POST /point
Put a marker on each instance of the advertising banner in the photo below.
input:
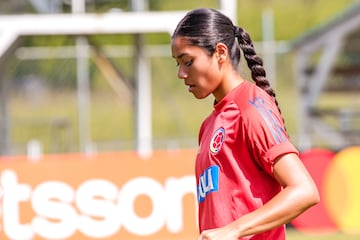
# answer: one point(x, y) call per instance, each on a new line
point(337, 177)
point(102, 196)
point(122, 196)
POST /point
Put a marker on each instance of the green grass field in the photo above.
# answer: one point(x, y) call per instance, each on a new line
point(296, 235)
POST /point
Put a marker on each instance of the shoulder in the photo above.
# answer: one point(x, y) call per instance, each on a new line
point(249, 97)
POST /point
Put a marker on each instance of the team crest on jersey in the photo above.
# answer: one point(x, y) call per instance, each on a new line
point(217, 140)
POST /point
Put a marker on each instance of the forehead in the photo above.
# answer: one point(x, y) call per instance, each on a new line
point(180, 46)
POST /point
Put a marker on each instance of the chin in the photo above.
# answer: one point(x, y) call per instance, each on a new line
point(198, 96)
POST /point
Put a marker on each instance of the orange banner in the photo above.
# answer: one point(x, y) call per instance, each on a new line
point(102, 196)
point(121, 196)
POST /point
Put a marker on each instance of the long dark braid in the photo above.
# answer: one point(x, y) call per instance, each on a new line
point(254, 62)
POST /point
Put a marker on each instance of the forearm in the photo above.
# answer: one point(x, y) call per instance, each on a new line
point(284, 207)
point(299, 194)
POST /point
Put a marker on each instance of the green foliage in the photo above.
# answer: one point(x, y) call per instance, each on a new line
point(290, 17)
point(176, 114)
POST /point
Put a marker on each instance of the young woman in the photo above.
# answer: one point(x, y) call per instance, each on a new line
point(250, 180)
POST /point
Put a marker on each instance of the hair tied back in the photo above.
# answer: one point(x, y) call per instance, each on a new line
point(237, 32)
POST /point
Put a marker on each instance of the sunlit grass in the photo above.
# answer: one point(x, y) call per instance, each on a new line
point(296, 235)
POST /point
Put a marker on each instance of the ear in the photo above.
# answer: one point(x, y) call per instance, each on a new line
point(222, 52)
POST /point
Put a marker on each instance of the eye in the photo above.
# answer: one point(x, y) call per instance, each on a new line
point(186, 63)
point(189, 63)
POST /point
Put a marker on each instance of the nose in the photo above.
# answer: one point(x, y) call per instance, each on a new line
point(181, 73)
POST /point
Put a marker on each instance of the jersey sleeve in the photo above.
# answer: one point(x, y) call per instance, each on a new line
point(265, 133)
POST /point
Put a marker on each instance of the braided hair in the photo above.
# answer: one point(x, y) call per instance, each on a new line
point(206, 28)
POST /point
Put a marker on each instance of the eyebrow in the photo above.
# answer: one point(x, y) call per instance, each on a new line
point(180, 55)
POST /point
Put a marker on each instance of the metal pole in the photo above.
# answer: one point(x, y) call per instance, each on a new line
point(143, 92)
point(269, 47)
point(83, 88)
point(4, 116)
point(8, 50)
point(83, 94)
point(303, 118)
point(229, 7)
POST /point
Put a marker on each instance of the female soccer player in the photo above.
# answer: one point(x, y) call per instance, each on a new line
point(250, 180)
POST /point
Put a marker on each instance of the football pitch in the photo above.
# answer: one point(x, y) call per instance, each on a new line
point(296, 235)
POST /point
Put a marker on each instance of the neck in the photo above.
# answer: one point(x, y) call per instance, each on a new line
point(229, 82)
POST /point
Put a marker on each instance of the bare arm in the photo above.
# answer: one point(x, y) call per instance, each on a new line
point(299, 194)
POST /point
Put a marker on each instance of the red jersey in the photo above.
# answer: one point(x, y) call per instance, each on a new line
point(238, 144)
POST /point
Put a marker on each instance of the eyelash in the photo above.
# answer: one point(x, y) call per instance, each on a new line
point(188, 63)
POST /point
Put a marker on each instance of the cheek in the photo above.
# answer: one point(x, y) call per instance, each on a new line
point(210, 77)
point(206, 70)
point(204, 79)
point(206, 75)
point(207, 84)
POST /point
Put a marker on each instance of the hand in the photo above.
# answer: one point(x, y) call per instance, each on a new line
point(223, 233)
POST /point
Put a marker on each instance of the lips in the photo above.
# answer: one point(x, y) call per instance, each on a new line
point(190, 87)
